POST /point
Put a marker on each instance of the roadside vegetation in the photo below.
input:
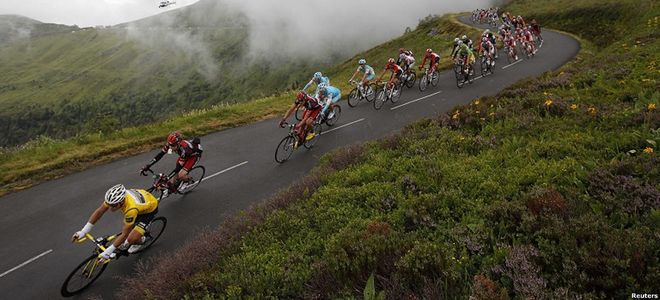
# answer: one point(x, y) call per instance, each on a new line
point(45, 158)
point(549, 190)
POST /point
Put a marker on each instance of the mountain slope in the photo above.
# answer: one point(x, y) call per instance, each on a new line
point(14, 28)
point(69, 82)
point(550, 190)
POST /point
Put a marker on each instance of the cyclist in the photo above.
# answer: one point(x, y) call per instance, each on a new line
point(312, 110)
point(510, 43)
point(467, 42)
point(486, 48)
point(189, 151)
point(434, 60)
point(454, 47)
point(466, 56)
point(318, 78)
point(493, 40)
point(536, 29)
point(139, 208)
point(529, 38)
point(328, 95)
point(396, 70)
point(369, 73)
point(406, 59)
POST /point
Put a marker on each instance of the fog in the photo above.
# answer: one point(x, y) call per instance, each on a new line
point(314, 29)
point(281, 30)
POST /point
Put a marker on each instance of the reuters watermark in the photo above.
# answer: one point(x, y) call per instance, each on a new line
point(644, 296)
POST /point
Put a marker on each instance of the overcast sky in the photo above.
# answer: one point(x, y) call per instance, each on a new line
point(85, 12)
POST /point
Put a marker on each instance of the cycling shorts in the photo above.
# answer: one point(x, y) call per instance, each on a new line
point(371, 76)
point(186, 163)
point(142, 221)
point(336, 98)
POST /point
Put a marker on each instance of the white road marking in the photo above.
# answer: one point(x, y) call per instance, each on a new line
point(342, 126)
point(413, 101)
point(478, 77)
point(513, 63)
point(225, 170)
point(25, 263)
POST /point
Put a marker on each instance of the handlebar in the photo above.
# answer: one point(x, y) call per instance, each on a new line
point(92, 239)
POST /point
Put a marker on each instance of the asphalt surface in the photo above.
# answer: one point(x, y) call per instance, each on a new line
point(37, 223)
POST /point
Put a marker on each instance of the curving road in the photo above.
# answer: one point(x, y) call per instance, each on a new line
point(36, 224)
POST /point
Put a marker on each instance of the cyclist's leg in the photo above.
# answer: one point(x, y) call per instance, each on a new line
point(177, 173)
point(187, 166)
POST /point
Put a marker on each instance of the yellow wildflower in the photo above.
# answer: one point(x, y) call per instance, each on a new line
point(548, 102)
point(477, 112)
point(456, 115)
point(651, 106)
point(491, 114)
point(476, 102)
point(573, 106)
point(648, 150)
point(592, 110)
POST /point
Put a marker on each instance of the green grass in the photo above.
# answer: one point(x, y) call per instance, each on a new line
point(45, 158)
point(547, 191)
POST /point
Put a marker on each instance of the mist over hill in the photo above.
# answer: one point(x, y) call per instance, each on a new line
point(68, 80)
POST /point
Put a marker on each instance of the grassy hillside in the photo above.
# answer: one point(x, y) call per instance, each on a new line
point(71, 82)
point(550, 190)
point(46, 158)
point(14, 28)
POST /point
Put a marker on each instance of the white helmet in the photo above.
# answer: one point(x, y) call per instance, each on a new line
point(362, 62)
point(464, 37)
point(318, 75)
point(115, 195)
point(456, 40)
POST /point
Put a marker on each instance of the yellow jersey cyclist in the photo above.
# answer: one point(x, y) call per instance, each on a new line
point(139, 208)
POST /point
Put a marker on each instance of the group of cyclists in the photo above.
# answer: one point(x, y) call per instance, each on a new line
point(139, 206)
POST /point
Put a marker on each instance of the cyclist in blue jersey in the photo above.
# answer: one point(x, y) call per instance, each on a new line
point(318, 79)
point(369, 73)
point(328, 95)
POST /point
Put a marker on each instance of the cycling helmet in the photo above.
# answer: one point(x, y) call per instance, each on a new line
point(115, 195)
point(390, 61)
point(464, 37)
point(429, 50)
point(401, 50)
point(456, 40)
point(460, 43)
point(318, 75)
point(173, 138)
point(322, 88)
point(362, 62)
point(487, 31)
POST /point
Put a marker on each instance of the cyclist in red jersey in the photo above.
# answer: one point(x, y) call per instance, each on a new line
point(312, 109)
point(397, 71)
point(189, 151)
point(434, 60)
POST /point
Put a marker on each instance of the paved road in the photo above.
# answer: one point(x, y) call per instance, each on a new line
point(36, 224)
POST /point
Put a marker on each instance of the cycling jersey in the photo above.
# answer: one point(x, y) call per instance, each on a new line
point(368, 70)
point(309, 103)
point(137, 203)
point(396, 69)
point(433, 57)
point(323, 79)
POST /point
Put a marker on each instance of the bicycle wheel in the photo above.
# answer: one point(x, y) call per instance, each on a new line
point(82, 276)
point(153, 232)
point(423, 82)
point(300, 111)
point(337, 112)
point(370, 93)
point(354, 98)
point(483, 66)
point(196, 175)
point(285, 149)
point(410, 80)
point(435, 78)
point(396, 93)
point(457, 71)
point(316, 129)
point(380, 99)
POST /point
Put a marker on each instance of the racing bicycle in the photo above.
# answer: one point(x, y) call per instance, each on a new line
point(463, 75)
point(388, 91)
point(91, 268)
point(292, 141)
point(361, 92)
point(160, 187)
point(429, 78)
